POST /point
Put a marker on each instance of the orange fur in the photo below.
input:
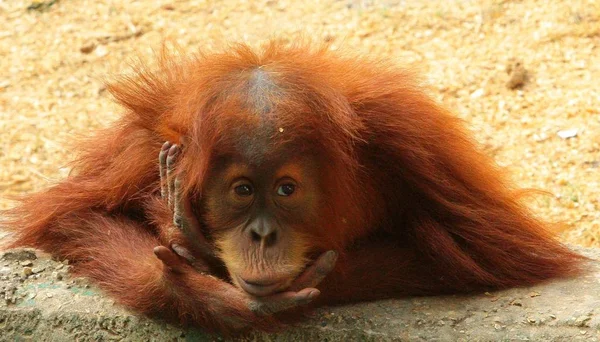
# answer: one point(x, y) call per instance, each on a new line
point(410, 203)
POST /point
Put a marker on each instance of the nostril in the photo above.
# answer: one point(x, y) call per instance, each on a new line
point(255, 236)
point(270, 239)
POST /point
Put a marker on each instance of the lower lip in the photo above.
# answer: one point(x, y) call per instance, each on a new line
point(258, 290)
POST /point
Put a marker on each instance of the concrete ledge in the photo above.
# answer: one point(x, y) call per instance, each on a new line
point(40, 302)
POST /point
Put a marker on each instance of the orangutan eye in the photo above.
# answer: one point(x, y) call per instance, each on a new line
point(286, 189)
point(244, 190)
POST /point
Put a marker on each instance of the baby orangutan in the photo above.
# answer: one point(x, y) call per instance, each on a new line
point(291, 175)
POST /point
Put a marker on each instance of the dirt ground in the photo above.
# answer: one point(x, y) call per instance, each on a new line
point(523, 74)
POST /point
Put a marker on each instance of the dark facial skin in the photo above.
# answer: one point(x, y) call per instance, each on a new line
point(268, 248)
point(261, 215)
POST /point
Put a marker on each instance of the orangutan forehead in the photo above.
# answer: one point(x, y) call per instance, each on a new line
point(262, 91)
point(258, 136)
point(260, 148)
point(256, 112)
point(295, 166)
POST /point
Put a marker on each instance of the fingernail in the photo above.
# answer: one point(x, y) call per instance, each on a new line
point(331, 256)
point(166, 146)
point(313, 294)
point(173, 150)
point(308, 298)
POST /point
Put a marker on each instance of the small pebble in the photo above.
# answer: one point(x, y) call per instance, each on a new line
point(517, 74)
point(101, 51)
point(87, 48)
point(567, 133)
point(516, 302)
point(38, 269)
point(582, 321)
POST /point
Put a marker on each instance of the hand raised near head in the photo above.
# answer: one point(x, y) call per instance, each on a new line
point(187, 240)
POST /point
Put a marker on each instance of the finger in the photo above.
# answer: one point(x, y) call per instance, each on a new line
point(171, 158)
point(176, 198)
point(283, 301)
point(198, 265)
point(183, 217)
point(235, 323)
point(162, 164)
point(169, 259)
point(185, 220)
point(316, 272)
point(180, 219)
point(183, 252)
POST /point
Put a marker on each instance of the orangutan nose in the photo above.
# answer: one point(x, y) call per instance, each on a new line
point(263, 232)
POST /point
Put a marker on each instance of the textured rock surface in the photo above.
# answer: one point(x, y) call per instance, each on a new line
point(40, 302)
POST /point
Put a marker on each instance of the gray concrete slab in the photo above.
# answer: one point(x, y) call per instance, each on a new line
point(40, 302)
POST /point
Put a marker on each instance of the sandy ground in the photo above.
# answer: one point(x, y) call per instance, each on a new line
point(55, 56)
